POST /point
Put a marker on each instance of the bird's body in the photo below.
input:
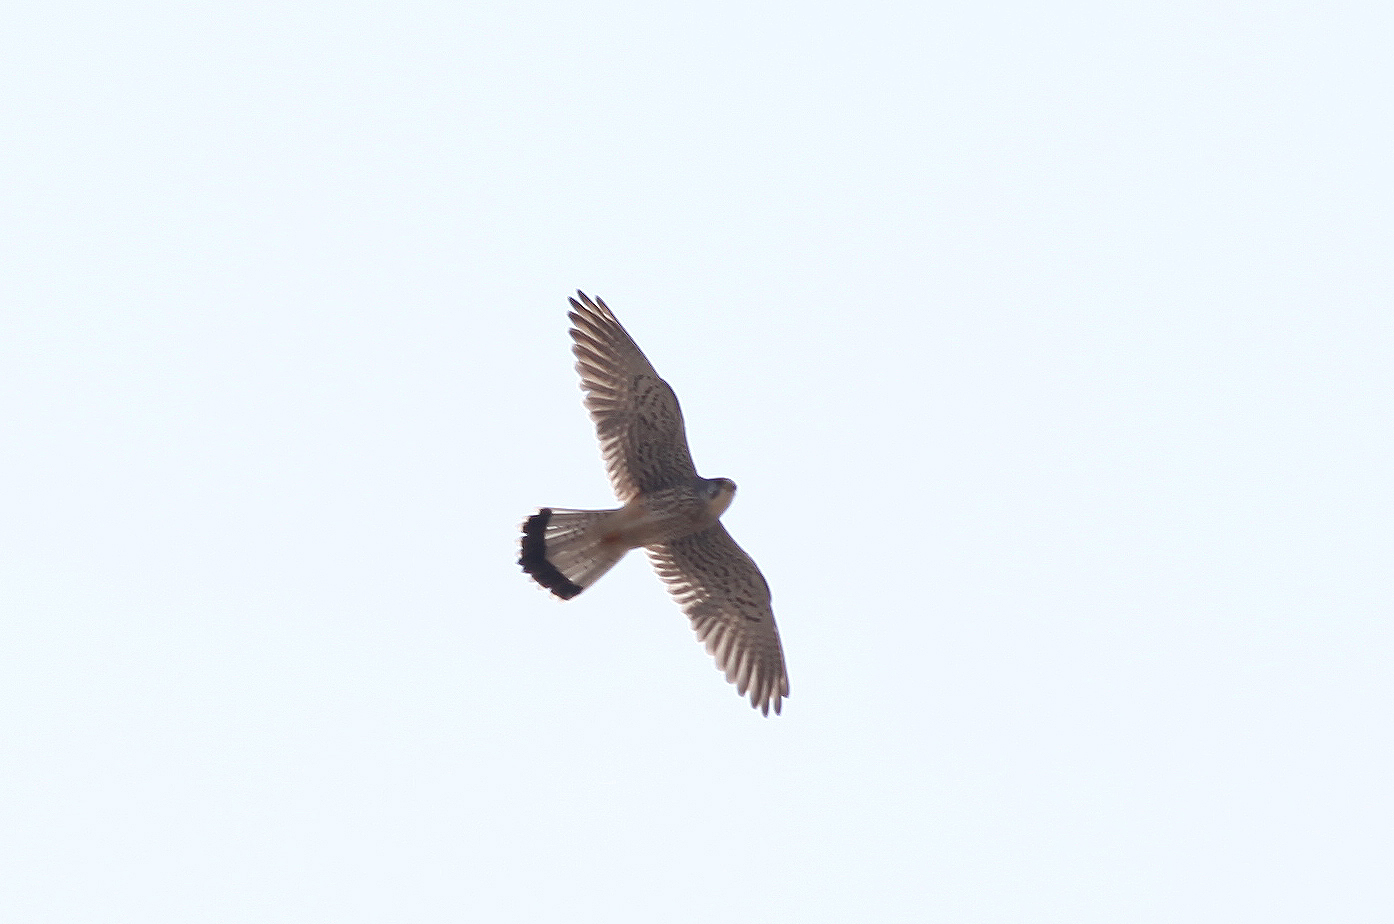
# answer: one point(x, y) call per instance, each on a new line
point(668, 509)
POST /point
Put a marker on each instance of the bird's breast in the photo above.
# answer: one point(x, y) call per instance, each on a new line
point(659, 516)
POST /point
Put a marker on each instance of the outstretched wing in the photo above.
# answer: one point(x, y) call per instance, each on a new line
point(636, 414)
point(726, 597)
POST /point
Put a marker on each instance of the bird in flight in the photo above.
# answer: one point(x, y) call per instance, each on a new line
point(668, 510)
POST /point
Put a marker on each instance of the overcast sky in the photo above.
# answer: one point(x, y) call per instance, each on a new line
point(1051, 347)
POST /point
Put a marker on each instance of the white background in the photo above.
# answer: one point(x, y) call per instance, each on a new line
point(1050, 346)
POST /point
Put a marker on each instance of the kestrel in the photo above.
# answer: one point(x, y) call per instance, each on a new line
point(669, 510)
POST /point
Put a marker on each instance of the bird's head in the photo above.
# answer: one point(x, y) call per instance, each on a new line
point(719, 492)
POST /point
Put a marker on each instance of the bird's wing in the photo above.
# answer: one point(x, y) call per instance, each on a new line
point(636, 414)
point(719, 588)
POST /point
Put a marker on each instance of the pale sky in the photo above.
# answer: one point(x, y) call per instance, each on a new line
point(1051, 347)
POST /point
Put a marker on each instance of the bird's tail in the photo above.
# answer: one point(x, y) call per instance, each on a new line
point(567, 551)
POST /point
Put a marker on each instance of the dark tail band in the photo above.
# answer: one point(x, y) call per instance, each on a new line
point(534, 557)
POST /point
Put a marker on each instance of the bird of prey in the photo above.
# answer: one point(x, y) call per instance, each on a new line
point(669, 510)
